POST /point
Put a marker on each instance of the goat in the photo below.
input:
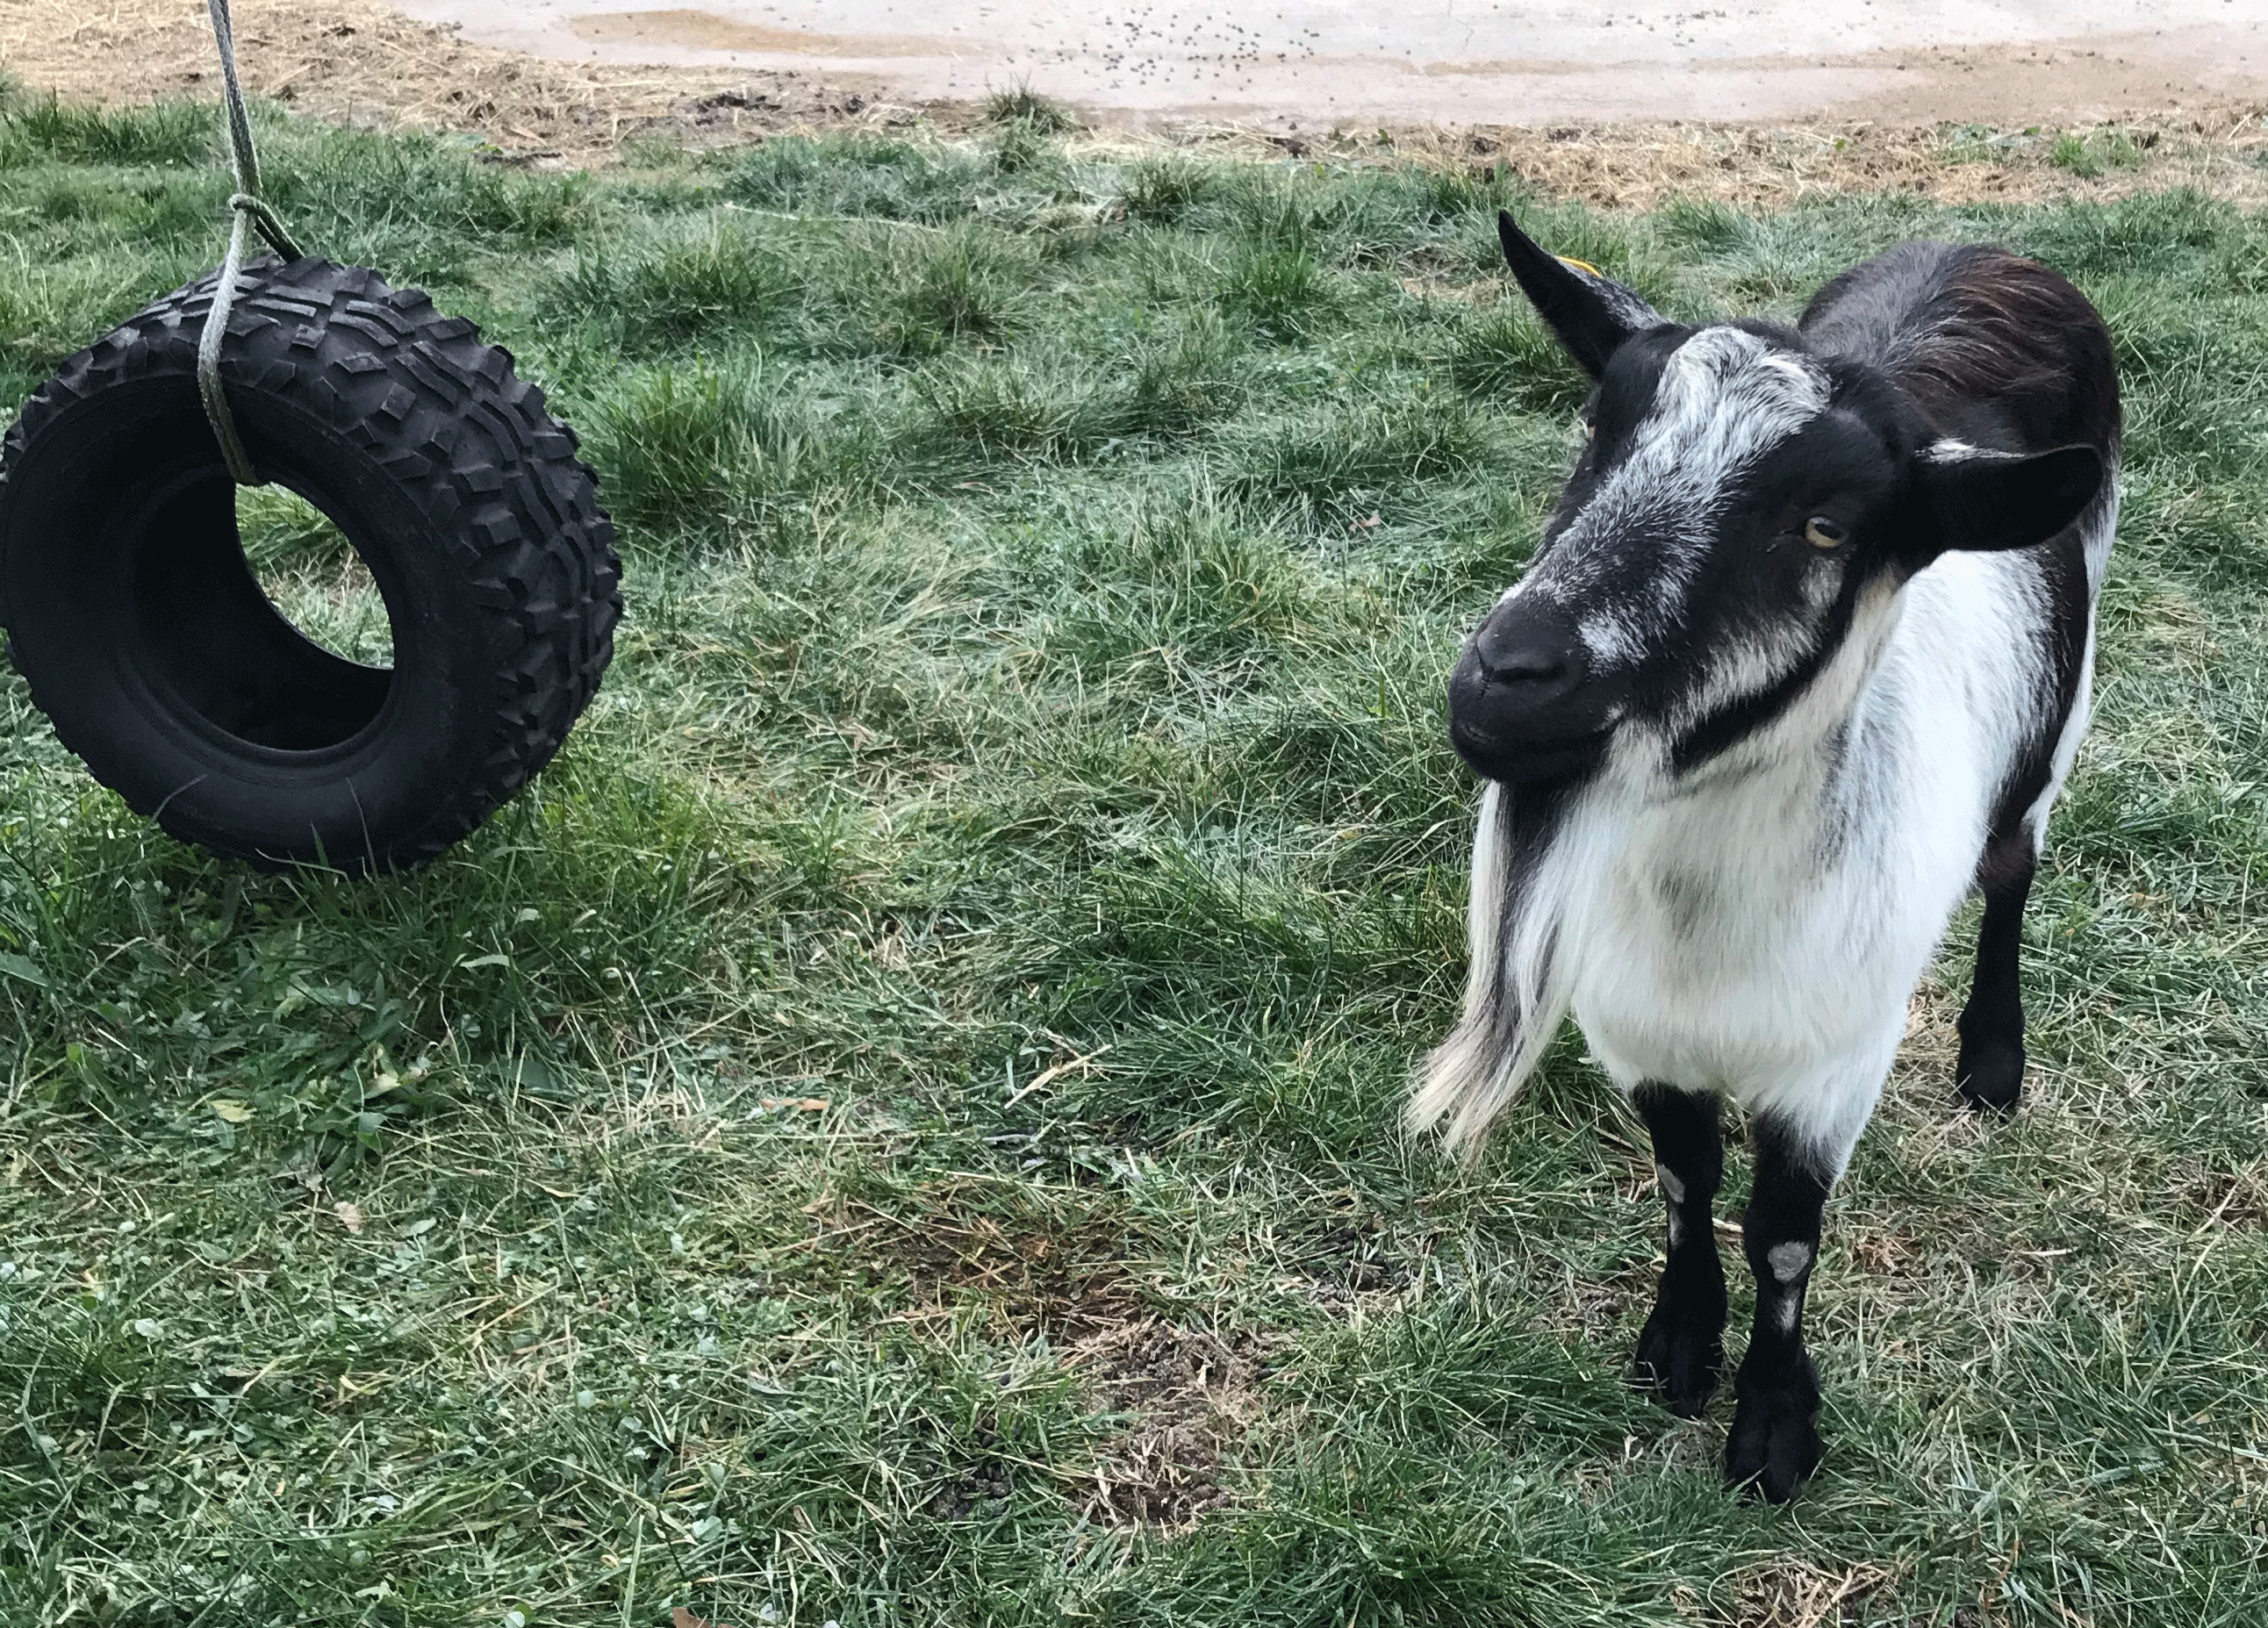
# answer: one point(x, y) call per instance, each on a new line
point(1802, 657)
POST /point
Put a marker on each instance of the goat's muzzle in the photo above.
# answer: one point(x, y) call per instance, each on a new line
point(1523, 706)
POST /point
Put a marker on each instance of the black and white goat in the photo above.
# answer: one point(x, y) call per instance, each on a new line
point(1802, 657)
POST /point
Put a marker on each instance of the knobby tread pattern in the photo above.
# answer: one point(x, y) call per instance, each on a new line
point(470, 443)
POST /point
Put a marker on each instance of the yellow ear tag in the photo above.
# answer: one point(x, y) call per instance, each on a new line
point(1580, 265)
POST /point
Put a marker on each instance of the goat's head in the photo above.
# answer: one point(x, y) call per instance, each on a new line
point(1741, 501)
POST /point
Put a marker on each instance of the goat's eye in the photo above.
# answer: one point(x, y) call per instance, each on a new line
point(1821, 533)
point(1590, 428)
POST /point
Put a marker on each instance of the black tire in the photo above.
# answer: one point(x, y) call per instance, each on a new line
point(131, 611)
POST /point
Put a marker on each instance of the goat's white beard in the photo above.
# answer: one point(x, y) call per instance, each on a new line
point(1516, 993)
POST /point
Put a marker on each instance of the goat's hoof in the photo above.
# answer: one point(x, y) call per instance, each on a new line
point(1774, 1444)
point(1681, 1356)
point(1990, 1075)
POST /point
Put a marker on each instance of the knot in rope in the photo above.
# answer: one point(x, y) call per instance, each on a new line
point(245, 208)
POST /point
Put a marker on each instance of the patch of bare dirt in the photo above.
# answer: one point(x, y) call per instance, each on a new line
point(1192, 1394)
point(359, 61)
point(1295, 63)
point(1066, 1276)
point(629, 32)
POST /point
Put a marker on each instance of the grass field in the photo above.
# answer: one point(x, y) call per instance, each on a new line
point(900, 1124)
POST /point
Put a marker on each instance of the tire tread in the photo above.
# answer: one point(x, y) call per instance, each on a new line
point(472, 445)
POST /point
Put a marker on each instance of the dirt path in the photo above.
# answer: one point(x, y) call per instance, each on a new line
point(1310, 63)
point(1624, 129)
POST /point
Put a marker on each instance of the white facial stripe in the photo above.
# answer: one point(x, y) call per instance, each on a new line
point(1672, 1188)
point(1611, 641)
point(1748, 666)
point(1725, 398)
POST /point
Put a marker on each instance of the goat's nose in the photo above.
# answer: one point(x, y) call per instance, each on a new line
point(1516, 656)
point(1522, 706)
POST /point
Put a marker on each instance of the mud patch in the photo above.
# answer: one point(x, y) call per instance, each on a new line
point(1193, 1394)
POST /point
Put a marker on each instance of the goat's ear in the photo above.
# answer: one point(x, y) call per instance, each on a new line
point(1979, 499)
point(1589, 311)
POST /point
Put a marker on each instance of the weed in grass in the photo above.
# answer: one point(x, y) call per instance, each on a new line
point(1199, 581)
point(2153, 235)
point(960, 284)
point(1163, 190)
point(1023, 150)
point(1278, 289)
point(1183, 380)
point(898, 1124)
point(685, 447)
point(1296, 211)
point(991, 406)
point(700, 289)
point(1339, 459)
point(1502, 352)
point(1022, 105)
point(859, 176)
point(1440, 195)
point(656, 153)
point(2094, 152)
point(413, 207)
point(1703, 226)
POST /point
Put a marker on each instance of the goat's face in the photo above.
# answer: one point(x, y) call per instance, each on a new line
point(1738, 504)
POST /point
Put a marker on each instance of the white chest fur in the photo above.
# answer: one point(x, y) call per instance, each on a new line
point(1752, 941)
point(1759, 931)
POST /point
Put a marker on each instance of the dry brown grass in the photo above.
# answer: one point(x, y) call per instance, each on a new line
point(2219, 149)
point(1792, 1591)
point(1192, 1395)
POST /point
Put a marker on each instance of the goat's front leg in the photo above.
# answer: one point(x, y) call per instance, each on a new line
point(1682, 1351)
point(1774, 1444)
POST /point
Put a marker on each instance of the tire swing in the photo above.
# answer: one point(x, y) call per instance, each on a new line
point(145, 636)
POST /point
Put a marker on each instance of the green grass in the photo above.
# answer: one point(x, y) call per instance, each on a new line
point(899, 1125)
point(1021, 104)
point(2093, 153)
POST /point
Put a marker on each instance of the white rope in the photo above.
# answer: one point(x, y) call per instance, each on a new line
point(246, 210)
